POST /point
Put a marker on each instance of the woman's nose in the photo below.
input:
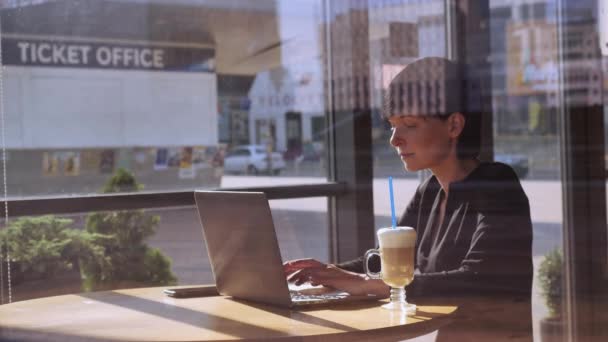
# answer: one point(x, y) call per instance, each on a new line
point(396, 138)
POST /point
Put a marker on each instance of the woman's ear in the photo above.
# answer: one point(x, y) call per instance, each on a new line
point(456, 122)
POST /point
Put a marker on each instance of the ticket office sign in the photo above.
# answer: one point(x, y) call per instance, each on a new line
point(55, 53)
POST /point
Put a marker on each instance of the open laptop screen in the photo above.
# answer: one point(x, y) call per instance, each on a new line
point(242, 246)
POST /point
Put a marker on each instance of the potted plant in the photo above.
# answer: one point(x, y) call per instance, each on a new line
point(550, 278)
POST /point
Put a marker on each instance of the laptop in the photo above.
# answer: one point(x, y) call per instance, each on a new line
point(244, 252)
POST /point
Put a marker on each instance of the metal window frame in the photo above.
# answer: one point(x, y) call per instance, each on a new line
point(149, 200)
point(349, 141)
point(583, 178)
point(467, 25)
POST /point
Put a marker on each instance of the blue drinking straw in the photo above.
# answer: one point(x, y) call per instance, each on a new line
point(390, 191)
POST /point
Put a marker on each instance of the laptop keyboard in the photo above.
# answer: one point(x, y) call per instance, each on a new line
point(310, 298)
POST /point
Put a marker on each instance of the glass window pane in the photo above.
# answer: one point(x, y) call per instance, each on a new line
point(165, 95)
point(124, 95)
point(163, 89)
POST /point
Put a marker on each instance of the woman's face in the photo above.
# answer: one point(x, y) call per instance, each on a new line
point(421, 142)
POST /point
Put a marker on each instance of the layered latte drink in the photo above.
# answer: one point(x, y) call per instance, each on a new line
point(397, 246)
point(396, 253)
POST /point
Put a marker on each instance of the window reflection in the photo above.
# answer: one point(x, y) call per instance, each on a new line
point(164, 89)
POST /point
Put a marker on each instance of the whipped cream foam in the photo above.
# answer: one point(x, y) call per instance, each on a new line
point(397, 237)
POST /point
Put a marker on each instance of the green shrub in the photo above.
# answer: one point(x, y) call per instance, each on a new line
point(127, 258)
point(111, 252)
point(40, 247)
point(122, 181)
point(550, 277)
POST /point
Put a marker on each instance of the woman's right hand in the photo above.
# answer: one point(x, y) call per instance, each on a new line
point(317, 273)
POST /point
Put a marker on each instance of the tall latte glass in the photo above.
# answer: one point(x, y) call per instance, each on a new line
point(397, 264)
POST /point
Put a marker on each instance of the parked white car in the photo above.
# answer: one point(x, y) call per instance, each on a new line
point(252, 159)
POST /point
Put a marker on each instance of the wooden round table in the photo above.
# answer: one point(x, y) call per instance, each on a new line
point(147, 314)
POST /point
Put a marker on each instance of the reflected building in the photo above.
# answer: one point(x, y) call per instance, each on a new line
point(233, 108)
point(271, 83)
point(287, 108)
point(526, 68)
point(131, 84)
point(525, 60)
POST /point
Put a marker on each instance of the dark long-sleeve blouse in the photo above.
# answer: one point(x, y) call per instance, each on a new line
point(484, 243)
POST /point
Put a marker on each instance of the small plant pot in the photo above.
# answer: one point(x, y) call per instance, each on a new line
point(551, 329)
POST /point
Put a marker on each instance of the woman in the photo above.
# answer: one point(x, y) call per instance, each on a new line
point(472, 218)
